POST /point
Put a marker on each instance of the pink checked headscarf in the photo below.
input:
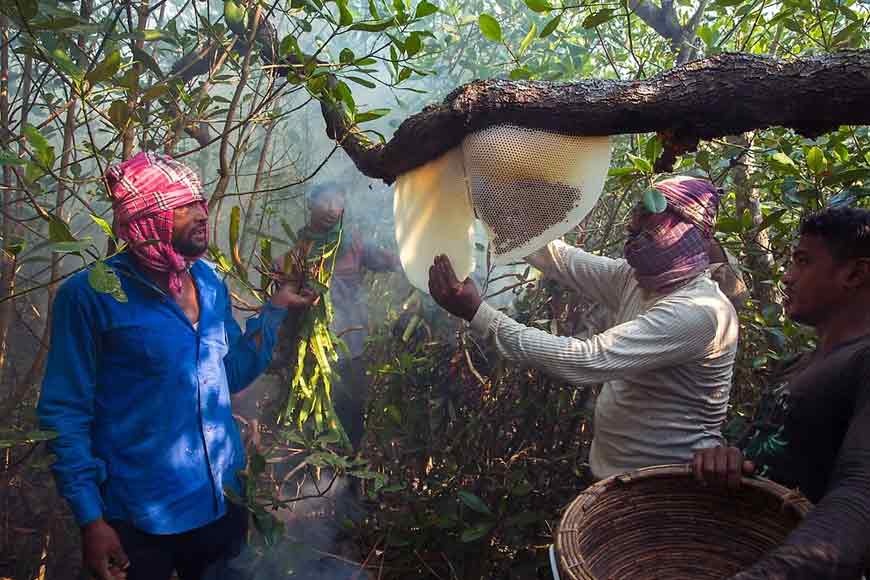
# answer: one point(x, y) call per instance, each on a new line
point(145, 190)
point(673, 248)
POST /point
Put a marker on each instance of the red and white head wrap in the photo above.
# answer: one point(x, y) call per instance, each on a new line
point(145, 190)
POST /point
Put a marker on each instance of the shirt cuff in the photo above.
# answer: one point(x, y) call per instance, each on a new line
point(484, 319)
point(272, 316)
point(86, 507)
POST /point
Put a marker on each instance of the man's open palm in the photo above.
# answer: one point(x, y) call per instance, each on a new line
point(458, 298)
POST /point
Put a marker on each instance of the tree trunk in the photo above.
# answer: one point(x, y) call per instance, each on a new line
point(129, 134)
point(757, 244)
point(723, 95)
point(8, 263)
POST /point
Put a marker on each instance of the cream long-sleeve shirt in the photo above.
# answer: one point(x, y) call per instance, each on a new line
point(666, 363)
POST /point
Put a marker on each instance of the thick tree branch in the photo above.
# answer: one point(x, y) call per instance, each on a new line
point(723, 95)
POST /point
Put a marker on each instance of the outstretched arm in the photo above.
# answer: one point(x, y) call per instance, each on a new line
point(596, 277)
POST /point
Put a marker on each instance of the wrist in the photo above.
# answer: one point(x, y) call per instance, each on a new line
point(472, 311)
point(93, 525)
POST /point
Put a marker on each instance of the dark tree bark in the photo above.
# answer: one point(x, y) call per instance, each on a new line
point(714, 97)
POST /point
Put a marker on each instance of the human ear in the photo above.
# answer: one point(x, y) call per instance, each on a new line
point(859, 273)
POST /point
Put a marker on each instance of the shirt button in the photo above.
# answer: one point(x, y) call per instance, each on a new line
point(210, 428)
point(189, 451)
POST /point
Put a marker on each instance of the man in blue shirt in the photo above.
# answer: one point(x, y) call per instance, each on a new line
point(138, 390)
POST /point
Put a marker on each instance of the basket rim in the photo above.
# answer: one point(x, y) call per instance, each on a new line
point(790, 498)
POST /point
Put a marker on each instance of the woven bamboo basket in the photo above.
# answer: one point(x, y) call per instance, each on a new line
point(658, 523)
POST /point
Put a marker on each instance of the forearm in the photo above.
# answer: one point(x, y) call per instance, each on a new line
point(599, 278)
point(832, 542)
point(657, 339)
point(251, 352)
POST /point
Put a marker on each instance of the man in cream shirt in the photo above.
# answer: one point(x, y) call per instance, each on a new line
point(666, 361)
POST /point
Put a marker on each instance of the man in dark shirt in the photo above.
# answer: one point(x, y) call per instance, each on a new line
point(823, 444)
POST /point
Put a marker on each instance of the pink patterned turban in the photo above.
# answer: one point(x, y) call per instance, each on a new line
point(145, 190)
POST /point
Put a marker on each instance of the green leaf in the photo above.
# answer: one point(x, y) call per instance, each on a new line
point(345, 15)
point(234, 14)
point(346, 56)
point(759, 362)
point(404, 74)
point(728, 225)
point(413, 44)
point(519, 74)
point(425, 9)
point(621, 171)
point(783, 162)
point(551, 26)
point(7, 158)
point(43, 153)
point(538, 5)
point(58, 230)
point(36, 139)
point(377, 26)
point(235, 227)
point(816, 161)
point(642, 165)
point(13, 439)
point(476, 532)
point(653, 148)
point(103, 279)
point(362, 82)
point(70, 247)
point(474, 503)
point(104, 225)
point(489, 27)
point(106, 68)
point(151, 35)
point(288, 231)
point(65, 63)
point(119, 114)
point(705, 33)
point(654, 201)
point(155, 92)
point(771, 218)
point(725, 3)
point(598, 18)
point(146, 59)
point(16, 247)
point(848, 176)
point(370, 115)
point(289, 46)
point(27, 9)
point(345, 95)
point(529, 38)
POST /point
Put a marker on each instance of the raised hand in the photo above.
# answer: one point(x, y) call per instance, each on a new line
point(458, 298)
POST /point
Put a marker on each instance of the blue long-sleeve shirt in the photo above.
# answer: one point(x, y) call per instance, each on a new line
point(140, 398)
